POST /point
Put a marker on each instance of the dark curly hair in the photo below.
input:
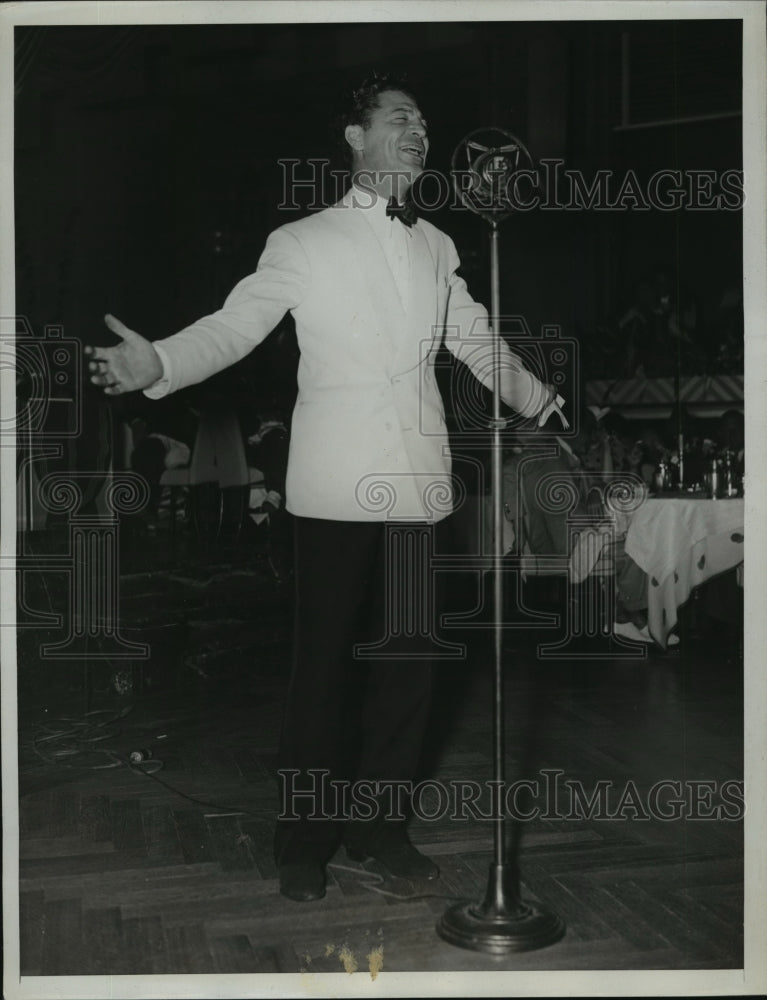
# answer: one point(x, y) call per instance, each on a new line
point(356, 104)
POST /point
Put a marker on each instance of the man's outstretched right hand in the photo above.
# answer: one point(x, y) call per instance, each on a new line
point(133, 364)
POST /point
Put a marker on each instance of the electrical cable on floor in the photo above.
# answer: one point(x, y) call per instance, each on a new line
point(72, 740)
point(75, 739)
point(229, 810)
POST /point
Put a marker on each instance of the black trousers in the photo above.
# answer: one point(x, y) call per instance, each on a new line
point(355, 715)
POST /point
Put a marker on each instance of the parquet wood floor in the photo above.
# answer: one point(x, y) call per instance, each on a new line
point(124, 872)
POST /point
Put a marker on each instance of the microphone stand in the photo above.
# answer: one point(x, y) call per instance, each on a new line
point(501, 922)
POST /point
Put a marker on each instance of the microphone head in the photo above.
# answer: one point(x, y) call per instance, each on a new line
point(486, 165)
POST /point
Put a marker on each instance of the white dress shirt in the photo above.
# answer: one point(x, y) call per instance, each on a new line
point(392, 234)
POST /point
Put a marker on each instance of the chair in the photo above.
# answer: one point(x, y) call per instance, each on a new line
point(218, 459)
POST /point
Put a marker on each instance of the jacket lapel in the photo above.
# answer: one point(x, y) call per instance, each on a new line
point(376, 279)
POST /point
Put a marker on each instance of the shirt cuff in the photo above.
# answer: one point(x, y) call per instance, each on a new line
point(555, 406)
point(536, 394)
point(161, 387)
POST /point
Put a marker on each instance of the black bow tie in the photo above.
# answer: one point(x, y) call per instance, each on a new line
point(405, 213)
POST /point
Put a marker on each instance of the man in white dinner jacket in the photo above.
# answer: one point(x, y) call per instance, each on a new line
point(374, 294)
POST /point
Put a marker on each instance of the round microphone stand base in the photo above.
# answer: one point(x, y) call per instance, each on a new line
point(501, 923)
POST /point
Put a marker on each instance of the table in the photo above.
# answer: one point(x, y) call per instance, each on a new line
point(680, 543)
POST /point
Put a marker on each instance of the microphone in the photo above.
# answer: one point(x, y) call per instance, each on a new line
point(486, 164)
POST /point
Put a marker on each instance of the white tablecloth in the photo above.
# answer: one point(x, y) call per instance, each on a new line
point(680, 543)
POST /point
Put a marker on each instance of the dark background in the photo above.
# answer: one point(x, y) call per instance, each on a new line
point(147, 174)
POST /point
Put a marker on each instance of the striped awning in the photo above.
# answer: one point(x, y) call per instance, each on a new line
point(702, 395)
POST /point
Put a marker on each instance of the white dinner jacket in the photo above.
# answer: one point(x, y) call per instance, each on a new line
point(368, 437)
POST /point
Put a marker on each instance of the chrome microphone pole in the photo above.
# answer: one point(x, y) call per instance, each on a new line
point(496, 478)
point(501, 922)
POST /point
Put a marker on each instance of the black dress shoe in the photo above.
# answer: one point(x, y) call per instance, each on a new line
point(391, 848)
point(301, 867)
point(302, 880)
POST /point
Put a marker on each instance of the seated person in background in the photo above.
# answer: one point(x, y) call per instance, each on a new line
point(645, 455)
point(604, 446)
point(630, 597)
point(730, 434)
point(545, 529)
point(592, 445)
point(619, 437)
point(152, 454)
point(538, 530)
point(267, 450)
